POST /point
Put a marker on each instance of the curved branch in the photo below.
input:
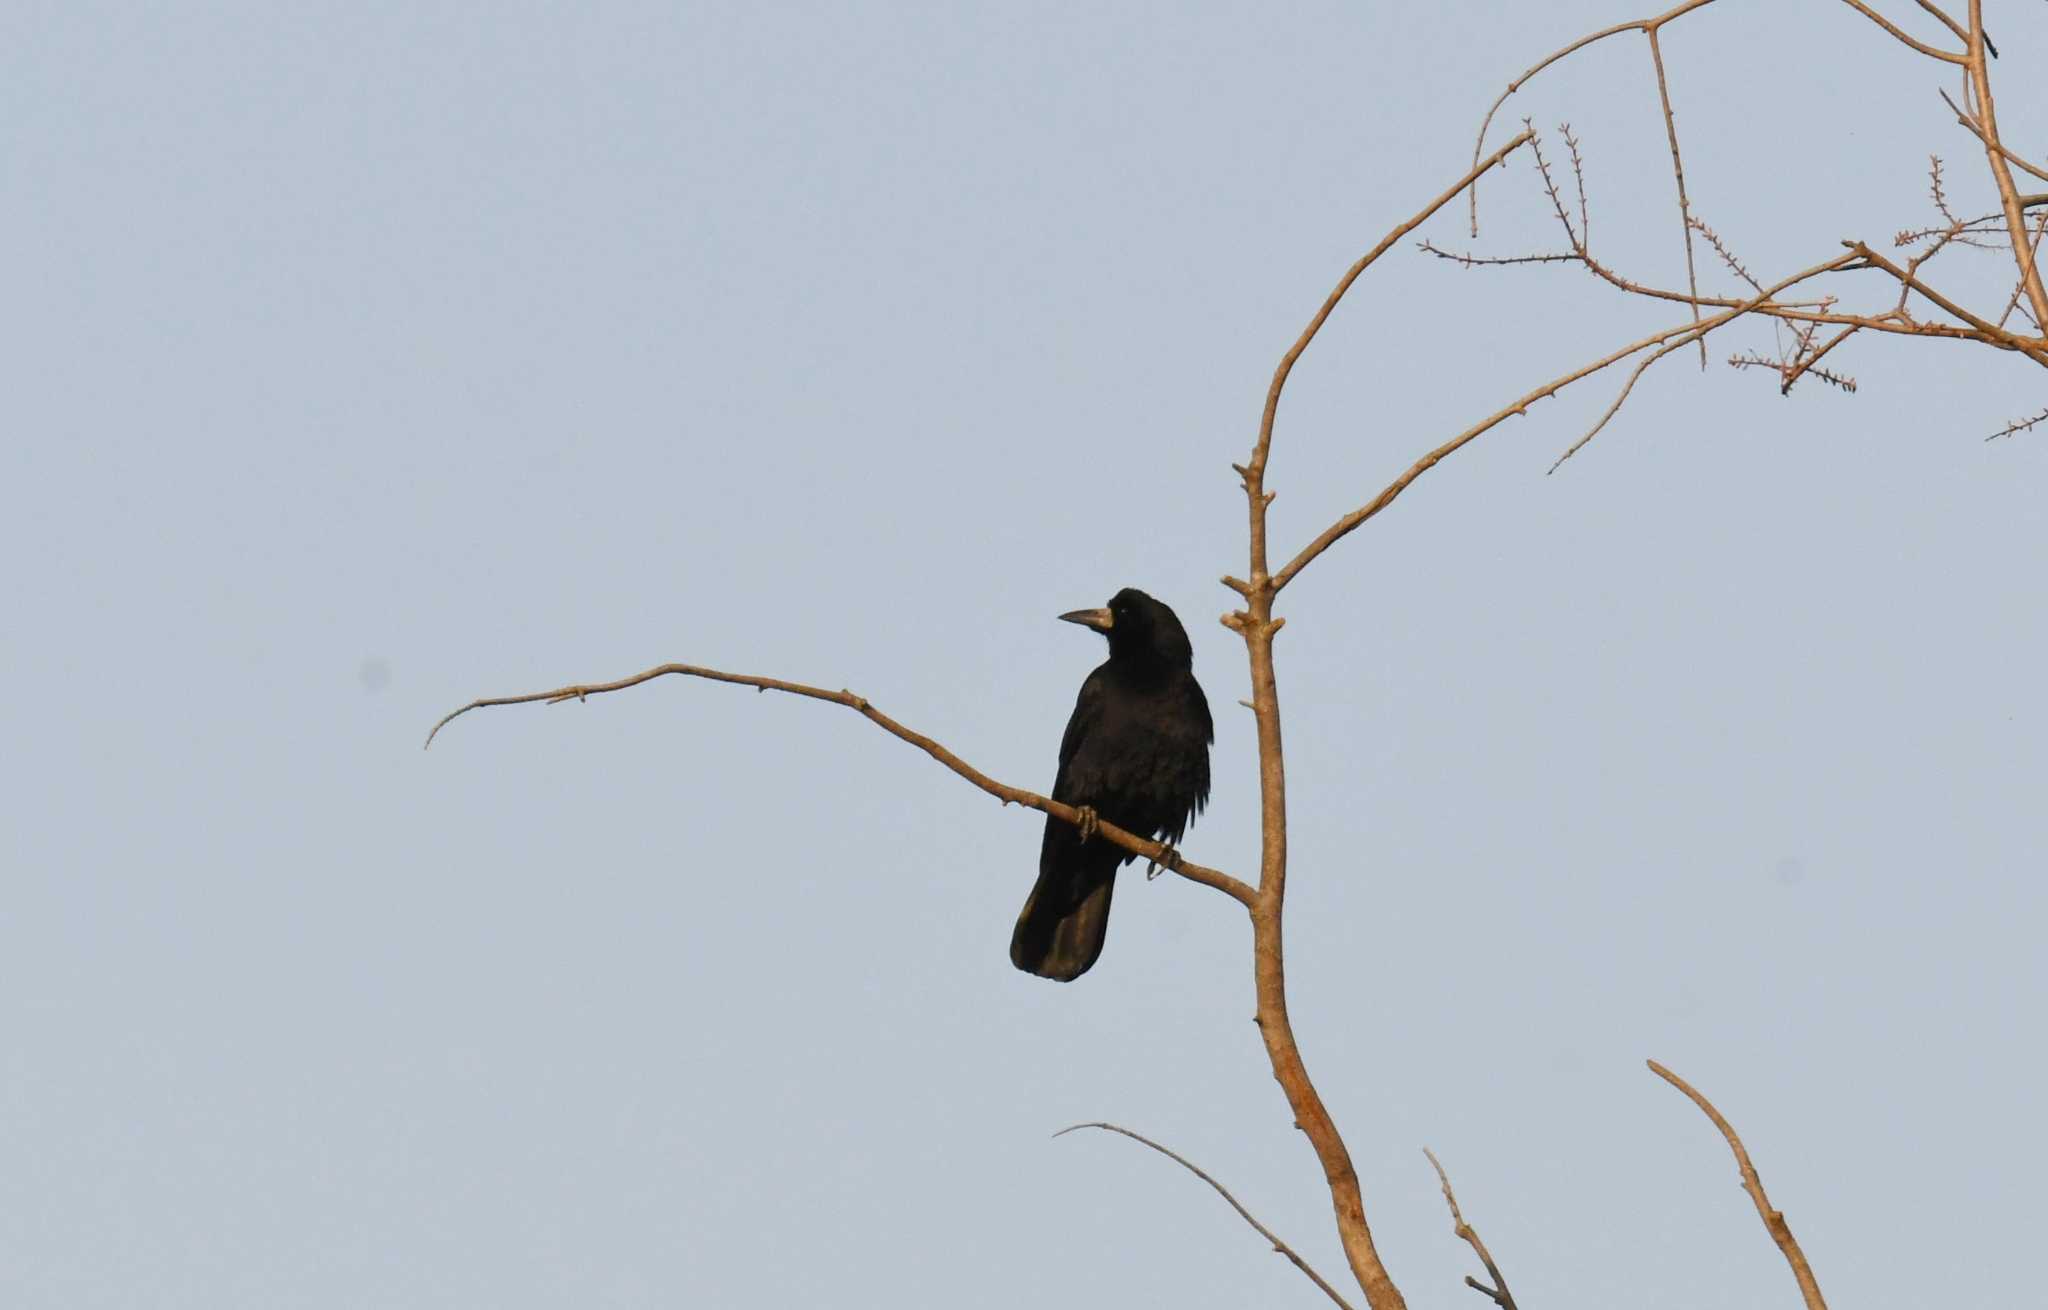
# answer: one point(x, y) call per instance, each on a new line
point(1932, 52)
point(1649, 25)
point(1254, 471)
point(1344, 526)
point(1649, 28)
point(1774, 1221)
point(1008, 795)
point(1224, 1192)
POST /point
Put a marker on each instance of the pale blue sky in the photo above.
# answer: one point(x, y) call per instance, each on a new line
point(368, 358)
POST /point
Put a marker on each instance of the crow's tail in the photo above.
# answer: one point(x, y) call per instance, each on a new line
point(1059, 934)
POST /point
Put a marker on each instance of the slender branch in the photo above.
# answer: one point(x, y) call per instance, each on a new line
point(1470, 1235)
point(1816, 312)
point(1564, 51)
point(1957, 29)
point(1692, 281)
point(2001, 171)
point(1932, 52)
point(2023, 165)
point(1351, 275)
point(1806, 365)
point(1224, 1192)
point(1774, 1221)
point(1763, 294)
point(1344, 526)
point(1009, 795)
point(2020, 425)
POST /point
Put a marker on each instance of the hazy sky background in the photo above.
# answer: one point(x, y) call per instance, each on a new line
point(363, 359)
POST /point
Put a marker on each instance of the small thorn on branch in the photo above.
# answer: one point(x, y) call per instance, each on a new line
point(2018, 426)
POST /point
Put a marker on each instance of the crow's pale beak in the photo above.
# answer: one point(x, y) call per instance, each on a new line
point(1100, 620)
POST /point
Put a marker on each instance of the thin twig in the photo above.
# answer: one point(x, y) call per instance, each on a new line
point(1470, 1235)
point(2011, 158)
point(1224, 1192)
point(1009, 795)
point(1810, 364)
point(1562, 52)
point(1692, 281)
point(1487, 261)
point(1774, 1221)
point(2020, 425)
point(1344, 526)
point(1571, 234)
point(2033, 254)
point(1727, 255)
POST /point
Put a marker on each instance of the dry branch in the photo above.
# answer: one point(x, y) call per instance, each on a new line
point(1279, 1246)
point(1256, 624)
point(1774, 1221)
point(2009, 225)
point(1003, 792)
point(1499, 1292)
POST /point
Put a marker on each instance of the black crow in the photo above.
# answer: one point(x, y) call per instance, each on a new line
point(1136, 754)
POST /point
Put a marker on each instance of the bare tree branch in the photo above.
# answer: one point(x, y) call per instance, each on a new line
point(1646, 25)
point(2001, 170)
point(1685, 220)
point(1224, 1192)
point(1932, 52)
point(2033, 254)
point(2019, 425)
point(1988, 332)
point(1774, 1221)
point(1350, 522)
point(1008, 795)
point(1257, 625)
point(1803, 355)
point(2010, 158)
point(1470, 1235)
point(1961, 34)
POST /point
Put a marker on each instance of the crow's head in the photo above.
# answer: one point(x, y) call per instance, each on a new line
point(1140, 629)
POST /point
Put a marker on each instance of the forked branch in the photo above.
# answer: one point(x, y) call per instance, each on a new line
point(1498, 1291)
point(1257, 625)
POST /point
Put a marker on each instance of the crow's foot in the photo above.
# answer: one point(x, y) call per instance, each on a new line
point(1088, 821)
point(1168, 858)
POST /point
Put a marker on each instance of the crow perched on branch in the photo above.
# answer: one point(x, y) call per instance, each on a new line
point(1136, 753)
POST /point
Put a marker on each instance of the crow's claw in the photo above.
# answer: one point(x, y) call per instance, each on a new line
point(1168, 859)
point(1088, 822)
